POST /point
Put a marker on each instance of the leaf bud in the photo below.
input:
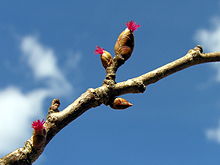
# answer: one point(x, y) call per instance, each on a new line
point(120, 103)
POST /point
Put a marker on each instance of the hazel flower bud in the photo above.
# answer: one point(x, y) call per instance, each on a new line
point(125, 42)
point(120, 103)
point(105, 56)
point(39, 133)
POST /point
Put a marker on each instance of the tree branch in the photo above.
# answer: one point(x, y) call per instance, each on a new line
point(56, 120)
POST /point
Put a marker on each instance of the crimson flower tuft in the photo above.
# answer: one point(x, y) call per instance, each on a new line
point(131, 25)
point(99, 50)
point(38, 125)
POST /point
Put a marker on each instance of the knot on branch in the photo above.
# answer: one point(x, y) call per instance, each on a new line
point(101, 95)
point(97, 97)
point(139, 86)
point(199, 48)
point(196, 52)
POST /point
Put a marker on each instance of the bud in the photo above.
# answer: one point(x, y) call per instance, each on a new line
point(105, 56)
point(54, 106)
point(120, 103)
point(199, 48)
point(125, 42)
point(39, 133)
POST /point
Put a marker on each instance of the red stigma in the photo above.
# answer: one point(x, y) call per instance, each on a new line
point(131, 25)
point(38, 125)
point(99, 50)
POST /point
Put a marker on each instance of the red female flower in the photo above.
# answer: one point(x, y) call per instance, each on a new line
point(131, 25)
point(38, 125)
point(99, 50)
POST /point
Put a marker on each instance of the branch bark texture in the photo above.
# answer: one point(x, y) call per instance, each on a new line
point(105, 94)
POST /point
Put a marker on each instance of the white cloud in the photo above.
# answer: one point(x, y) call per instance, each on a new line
point(214, 134)
point(19, 109)
point(210, 40)
point(41, 59)
point(17, 112)
point(43, 63)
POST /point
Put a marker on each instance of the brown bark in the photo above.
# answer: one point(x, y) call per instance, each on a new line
point(105, 94)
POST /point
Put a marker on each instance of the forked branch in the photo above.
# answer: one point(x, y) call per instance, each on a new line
point(105, 94)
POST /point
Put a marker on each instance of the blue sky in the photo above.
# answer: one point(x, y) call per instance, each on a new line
point(46, 50)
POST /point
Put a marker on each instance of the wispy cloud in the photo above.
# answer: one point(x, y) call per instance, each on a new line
point(210, 40)
point(40, 58)
point(19, 109)
point(73, 60)
point(43, 62)
point(214, 134)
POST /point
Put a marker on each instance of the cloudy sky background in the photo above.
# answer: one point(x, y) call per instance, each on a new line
point(46, 51)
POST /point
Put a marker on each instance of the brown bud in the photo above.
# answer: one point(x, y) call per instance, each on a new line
point(39, 133)
point(120, 103)
point(125, 44)
point(106, 59)
point(56, 102)
point(54, 106)
point(39, 137)
point(105, 56)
